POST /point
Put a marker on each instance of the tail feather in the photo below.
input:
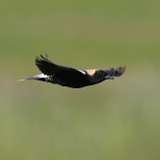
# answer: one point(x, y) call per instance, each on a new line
point(41, 77)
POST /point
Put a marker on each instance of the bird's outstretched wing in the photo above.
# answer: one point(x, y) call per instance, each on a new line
point(48, 67)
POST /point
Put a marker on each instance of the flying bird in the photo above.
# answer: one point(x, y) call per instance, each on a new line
point(72, 77)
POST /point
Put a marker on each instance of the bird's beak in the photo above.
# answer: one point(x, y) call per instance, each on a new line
point(121, 70)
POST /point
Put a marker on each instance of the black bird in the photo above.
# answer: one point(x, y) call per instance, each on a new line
point(71, 77)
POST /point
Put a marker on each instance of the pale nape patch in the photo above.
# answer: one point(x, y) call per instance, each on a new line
point(91, 71)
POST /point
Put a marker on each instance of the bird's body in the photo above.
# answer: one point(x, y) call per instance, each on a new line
point(71, 77)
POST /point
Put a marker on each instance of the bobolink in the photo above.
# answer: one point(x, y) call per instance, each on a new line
point(71, 77)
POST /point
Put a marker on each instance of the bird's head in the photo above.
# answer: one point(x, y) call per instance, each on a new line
point(114, 72)
point(101, 75)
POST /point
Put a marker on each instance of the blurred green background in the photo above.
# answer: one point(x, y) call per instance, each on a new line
point(115, 120)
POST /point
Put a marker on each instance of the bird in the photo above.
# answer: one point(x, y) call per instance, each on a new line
point(72, 77)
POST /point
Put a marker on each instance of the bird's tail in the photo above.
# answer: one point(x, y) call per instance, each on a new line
point(41, 77)
point(114, 72)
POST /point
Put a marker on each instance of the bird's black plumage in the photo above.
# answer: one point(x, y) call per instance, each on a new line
point(71, 77)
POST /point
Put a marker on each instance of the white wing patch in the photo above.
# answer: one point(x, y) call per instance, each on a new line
point(91, 72)
point(82, 71)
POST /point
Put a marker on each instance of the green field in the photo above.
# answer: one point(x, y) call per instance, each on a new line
point(115, 120)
